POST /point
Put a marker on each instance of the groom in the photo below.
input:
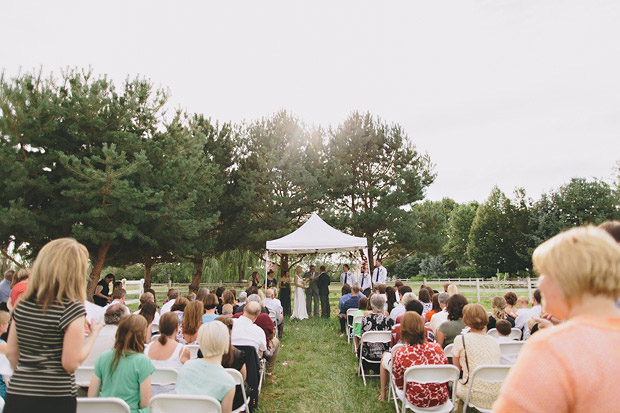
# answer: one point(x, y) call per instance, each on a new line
point(312, 292)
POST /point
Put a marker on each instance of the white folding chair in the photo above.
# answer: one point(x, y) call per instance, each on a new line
point(356, 319)
point(261, 373)
point(274, 319)
point(349, 328)
point(490, 374)
point(493, 333)
point(515, 334)
point(174, 403)
point(83, 375)
point(424, 374)
point(193, 350)
point(155, 337)
point(391, 389)
point(164, 377)
point(1, 404)
point(448, 350)
point(101, 405)
point(511, 348)
point(238, 378)
point(372, 337)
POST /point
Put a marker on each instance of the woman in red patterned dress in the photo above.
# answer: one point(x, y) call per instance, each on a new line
point(417, 351)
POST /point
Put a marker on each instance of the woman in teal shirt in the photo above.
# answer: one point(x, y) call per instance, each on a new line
point(125, 372)
point(206, 376)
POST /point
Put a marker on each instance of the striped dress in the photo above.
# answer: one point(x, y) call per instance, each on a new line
point(40, 338)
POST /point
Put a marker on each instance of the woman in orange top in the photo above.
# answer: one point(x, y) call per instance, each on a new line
point(572, 367)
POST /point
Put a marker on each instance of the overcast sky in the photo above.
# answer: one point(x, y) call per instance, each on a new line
point(508, 93)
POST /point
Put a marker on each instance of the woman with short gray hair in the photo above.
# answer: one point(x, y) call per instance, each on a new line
point(376, 321)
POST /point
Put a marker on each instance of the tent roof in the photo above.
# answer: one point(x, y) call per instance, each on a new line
point(316, 236)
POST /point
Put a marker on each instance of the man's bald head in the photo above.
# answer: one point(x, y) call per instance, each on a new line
point(251, 310)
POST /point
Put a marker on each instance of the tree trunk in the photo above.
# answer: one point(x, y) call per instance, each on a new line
point(95, 273)
point(148, 265)
point(197, 276)
point(283, 264)
point(371, 261)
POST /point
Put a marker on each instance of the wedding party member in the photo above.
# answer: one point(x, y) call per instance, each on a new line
point(379, 275)
point(284, 292)
point(206, 376)
point(323, 287)
point(365, 282)
point(572, 367)
point(125, 372)
point(312, 291)
point(255, 281)
point(46, 343)
point(347, 277)
point(300, 310)
point(475, 349)
point(102, 291)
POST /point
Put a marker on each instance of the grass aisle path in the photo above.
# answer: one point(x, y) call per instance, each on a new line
point(319, 374)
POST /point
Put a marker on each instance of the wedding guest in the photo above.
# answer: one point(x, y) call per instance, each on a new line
point(452, 289)
point(442, 316)
point(273, 304)
point(18, 287)
point(206, 376)
point(504, 328)
point(5, 318)
point(400, 309)
point(192, 320)
point(125, 372)
point(46, 342)
point(425, 298)
point(511, 300)
point(227, 309)
point(498, 305)
point(580, 281)
point(352, 302)
point(191, 297)
point(202, 294)
point(179, 307)
point(284, 292)
point(118, 297)
point(173, 294)
point(101, 297)
point(418, 351)
point(391, 298)
point(362, 309)
point(376, 321)
point(475, 349)
point(165, 352)
point(5, 286)
point(229, 298)
point(105, 339)
point(210, 304)
point(235, 359)
point(435, 309)
point(448, 330)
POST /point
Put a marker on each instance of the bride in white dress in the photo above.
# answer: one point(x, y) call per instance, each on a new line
point(299, 306)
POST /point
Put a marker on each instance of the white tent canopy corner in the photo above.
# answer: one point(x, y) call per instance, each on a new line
point(316, 236)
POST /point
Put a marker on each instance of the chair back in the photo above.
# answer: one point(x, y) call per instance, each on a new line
point(173, 403)
point(83, 375)
point(515, 334)
point(101, 405)
point(490, 373)
point(164, 377)
point(511, 348)
point(357, 319)
point(448, 350)
point(238, 378)
point(351, 311)
point(440, 373)
point(493, 333)
point(193, 350)
point(252, 365)
point(377, 337)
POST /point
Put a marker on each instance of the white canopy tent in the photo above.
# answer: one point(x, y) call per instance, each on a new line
point(315, 236)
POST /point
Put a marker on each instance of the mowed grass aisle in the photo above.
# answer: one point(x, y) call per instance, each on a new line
point(316, 372)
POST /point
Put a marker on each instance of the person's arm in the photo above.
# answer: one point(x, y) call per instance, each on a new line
point(95, 386)
point(186, 355)
point(227, 401)
point(440, 338)
point(12, 348)
point(243, 371)
point(456, 361)
point(74, 348)
point(98, 292)
point(145, 392)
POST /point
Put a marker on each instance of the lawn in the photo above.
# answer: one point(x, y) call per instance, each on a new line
point(316, 372)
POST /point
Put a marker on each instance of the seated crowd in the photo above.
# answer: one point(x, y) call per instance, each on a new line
point(124, 349)
point(579, 285)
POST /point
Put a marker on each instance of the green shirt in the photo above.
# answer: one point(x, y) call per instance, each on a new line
point(125, 381)
point(200, 378)
point(450, 330)
point(357, 327)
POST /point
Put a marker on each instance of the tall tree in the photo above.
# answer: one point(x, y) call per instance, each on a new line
point(371, 174)
point(460, 222)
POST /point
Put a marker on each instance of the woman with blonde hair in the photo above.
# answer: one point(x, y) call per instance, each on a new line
point(125, 372)
point(206, 376)
point(192, 320)
point(498, 312)
point(452, 289)
point(573, 366)
point(46, 342)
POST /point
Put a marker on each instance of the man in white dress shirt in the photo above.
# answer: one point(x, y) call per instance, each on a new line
point(106, 338)
point(379, 275)
point(347, 277)
point(118, 297)
point(245, 332)
point(364, 280)
point(173, 294)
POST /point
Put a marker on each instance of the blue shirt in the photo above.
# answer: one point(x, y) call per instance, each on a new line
point(346, 298)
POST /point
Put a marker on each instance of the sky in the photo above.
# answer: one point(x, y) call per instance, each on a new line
point(513, 93)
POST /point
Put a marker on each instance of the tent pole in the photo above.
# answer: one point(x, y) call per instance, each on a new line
point(266, 267)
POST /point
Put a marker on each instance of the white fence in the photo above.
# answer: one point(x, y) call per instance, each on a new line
point(137, 289)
